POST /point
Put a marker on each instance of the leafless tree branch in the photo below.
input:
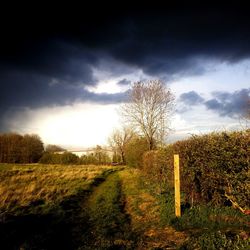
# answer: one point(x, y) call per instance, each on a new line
point(148, 110)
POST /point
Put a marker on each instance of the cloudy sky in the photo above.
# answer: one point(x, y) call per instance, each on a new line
point(64, 77)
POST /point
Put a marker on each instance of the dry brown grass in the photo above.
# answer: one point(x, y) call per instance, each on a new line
point(21, 185)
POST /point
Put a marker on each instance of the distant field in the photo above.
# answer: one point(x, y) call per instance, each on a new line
point(24, 185)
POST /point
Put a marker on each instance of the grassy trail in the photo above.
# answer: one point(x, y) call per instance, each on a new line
point(122, 214)
point(109, 224)
point(144, 212)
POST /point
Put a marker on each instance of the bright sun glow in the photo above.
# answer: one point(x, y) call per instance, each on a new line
point(109, 86)
point(80, 125)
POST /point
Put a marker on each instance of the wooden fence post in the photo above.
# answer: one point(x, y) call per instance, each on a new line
point(177, 186)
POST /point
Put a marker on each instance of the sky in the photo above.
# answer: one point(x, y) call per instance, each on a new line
point(64, 76)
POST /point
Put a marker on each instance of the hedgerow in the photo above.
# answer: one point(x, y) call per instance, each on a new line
point(214, 168)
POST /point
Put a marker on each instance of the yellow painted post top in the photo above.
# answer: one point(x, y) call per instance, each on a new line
point(177, 186)
point(176, 159)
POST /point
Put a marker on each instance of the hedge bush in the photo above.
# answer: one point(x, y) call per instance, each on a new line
point(53, 158)
point(134, 152)
point(70, 158)
point(212, 167)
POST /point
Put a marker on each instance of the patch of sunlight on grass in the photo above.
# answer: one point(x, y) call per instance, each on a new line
point(145, 212)
point(21, 185)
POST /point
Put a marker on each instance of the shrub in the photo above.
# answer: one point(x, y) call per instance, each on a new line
point(212, 167)
point(134, 152)
point(69, 158)
point(53, 158)
point(156, 168)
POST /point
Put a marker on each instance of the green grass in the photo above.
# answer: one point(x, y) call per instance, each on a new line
point(233, 240)
point(211, 218)
point(109, 224)
point(209, 227)
point(214, 228)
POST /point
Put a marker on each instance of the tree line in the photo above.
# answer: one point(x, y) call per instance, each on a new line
point(15, 148)
point(52, 156)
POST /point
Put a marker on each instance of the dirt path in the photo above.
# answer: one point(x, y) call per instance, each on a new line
point(144, 212)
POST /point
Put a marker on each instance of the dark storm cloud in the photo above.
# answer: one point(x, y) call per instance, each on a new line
point(104, 98)
point(174, 42)
point(224, 103)
point(191, 98)
point(53, 73)
point(124, 82)
point(32, 90)
point(187, 100)
point(230, 104)
point(53, 58)
point(214, 105)
point(47, 60)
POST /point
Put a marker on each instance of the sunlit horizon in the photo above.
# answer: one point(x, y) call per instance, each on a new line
point(87, 124)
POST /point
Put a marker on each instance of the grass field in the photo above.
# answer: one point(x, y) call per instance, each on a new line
point(43, 206)
point(22, 185)
point(105, 207)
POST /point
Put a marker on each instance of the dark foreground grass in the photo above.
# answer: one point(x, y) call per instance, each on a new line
point(57, 225)
point(109, 224)
point(208, 227)
point(231, 240)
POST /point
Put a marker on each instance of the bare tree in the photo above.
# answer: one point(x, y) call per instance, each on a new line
point(119, 139)
point(148, 110)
